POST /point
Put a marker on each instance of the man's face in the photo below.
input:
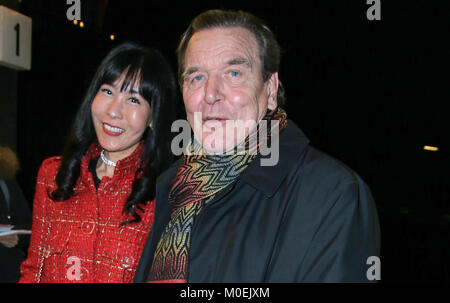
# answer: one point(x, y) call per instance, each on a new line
point(222, 80)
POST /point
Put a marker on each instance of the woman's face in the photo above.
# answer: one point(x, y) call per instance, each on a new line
point(120, 118)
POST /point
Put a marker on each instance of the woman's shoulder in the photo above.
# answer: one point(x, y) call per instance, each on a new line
point(49, 167)
point(45, 181)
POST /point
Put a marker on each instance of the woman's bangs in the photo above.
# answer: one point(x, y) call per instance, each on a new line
point(131, 77)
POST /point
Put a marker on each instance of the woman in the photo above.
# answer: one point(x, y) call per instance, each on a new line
point(94, 206)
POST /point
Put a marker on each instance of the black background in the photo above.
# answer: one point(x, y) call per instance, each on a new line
point(369, 93)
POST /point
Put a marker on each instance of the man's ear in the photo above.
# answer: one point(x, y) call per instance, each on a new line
point(272, 91)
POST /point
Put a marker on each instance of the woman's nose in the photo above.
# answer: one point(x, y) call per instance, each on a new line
point(115, 108)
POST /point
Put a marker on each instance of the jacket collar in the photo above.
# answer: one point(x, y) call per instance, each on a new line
point(124, 167)
point(268, 179)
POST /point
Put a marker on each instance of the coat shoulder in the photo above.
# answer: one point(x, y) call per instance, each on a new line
point(327, 168)
point(49, 168)
point(51, 161)
point(326, 180)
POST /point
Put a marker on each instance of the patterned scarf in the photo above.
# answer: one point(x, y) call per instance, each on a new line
point(196, 183)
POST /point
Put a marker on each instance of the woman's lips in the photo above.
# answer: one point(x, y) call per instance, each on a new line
point(112, 130)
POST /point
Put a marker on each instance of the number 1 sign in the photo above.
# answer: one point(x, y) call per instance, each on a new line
point(15, 39)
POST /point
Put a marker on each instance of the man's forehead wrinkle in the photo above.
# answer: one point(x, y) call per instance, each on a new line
point(220, 48)
point(225, 51)
point(216, 48)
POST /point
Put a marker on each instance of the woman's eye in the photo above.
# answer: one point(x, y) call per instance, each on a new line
point(134, 100)
point(106, 91)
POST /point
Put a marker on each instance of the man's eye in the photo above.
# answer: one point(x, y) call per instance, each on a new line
point(234, 74)
point(197, 78)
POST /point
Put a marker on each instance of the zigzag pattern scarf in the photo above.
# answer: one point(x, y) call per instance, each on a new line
point(197, 182)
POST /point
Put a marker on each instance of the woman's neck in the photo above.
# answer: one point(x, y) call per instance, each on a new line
point(107, 170)
point(104, 170)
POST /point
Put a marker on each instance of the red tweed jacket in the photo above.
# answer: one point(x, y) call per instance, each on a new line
point(81, 240)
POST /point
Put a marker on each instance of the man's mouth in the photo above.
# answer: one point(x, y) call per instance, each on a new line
point(220, 119)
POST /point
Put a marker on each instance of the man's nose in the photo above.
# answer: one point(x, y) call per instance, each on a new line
point(115, 108)
point(213, 92)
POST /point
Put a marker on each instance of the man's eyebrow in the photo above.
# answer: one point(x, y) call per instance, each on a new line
point(189, 71)
point(240, 61)
point(234, 61)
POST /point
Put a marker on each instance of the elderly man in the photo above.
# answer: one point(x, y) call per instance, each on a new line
point(221, 214)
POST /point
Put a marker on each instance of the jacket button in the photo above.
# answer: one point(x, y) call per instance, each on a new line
point(87, 227)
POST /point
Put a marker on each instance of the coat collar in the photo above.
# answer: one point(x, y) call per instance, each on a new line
point(124, 167)
point(268, 179)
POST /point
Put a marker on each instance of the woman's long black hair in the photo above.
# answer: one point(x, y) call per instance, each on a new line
point(157, 85)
